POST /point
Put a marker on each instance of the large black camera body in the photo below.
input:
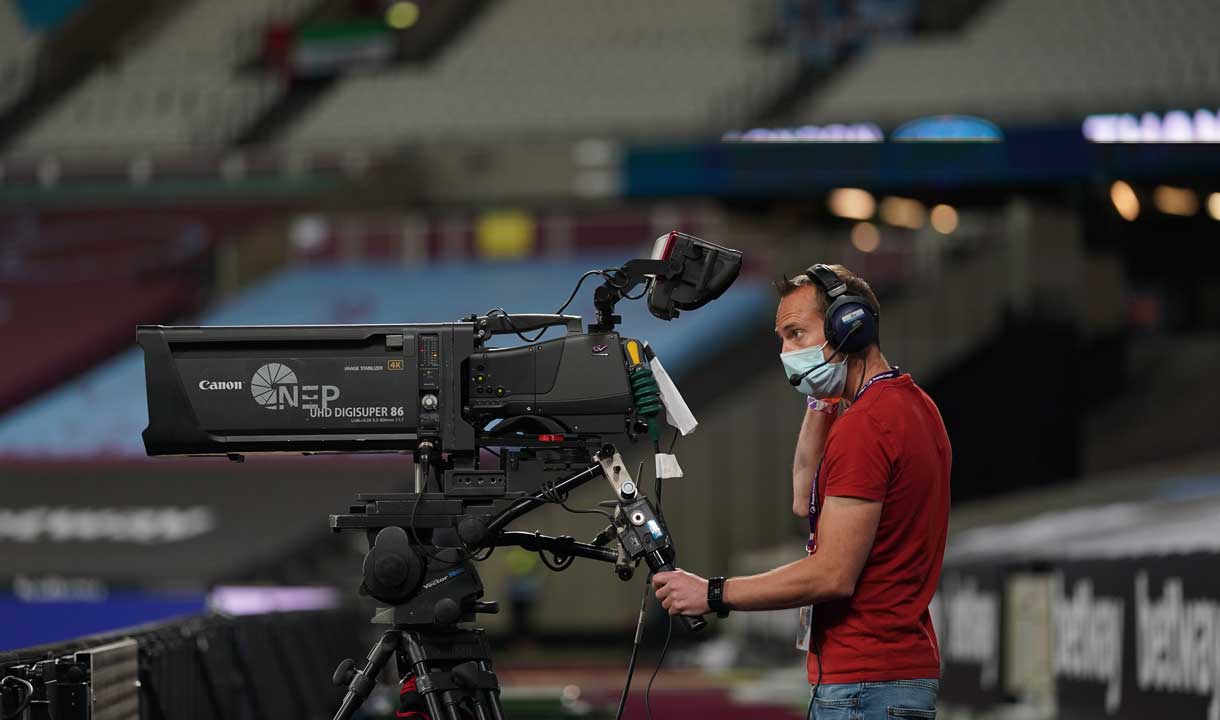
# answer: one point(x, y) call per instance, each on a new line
point(387, 388)
point(352, 388)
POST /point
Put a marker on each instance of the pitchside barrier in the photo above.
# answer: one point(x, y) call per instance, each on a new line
point(252, 667)
point(1108, 613)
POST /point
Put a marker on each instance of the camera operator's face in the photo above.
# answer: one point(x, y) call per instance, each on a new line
point(796, 322)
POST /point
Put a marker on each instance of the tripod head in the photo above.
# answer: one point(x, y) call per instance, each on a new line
point(432, 584)
point(431, 589)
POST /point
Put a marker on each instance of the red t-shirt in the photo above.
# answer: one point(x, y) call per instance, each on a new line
point(890, 446)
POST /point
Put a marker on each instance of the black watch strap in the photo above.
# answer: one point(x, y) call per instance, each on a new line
point(715, 597)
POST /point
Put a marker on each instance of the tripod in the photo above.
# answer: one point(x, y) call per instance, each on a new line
point(433, 588)
point(452, 668)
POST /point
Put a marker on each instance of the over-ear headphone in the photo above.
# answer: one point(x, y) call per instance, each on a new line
point(851, 321)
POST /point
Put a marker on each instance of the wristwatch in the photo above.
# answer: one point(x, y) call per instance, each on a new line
point(715, 597)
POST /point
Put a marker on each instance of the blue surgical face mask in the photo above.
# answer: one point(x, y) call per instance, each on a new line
point(825, 381)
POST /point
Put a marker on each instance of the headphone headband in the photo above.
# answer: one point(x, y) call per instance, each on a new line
point(828, 279)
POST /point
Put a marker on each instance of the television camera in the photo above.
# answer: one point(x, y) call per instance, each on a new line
point(553, 409)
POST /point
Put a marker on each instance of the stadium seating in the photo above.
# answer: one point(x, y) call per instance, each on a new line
point(131, 111)
point(1038, 60)
point(180, 90)
point(53, 332)
point(622, 68)
point(73, 284)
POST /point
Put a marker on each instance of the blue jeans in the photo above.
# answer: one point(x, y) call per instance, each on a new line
point(889, 700)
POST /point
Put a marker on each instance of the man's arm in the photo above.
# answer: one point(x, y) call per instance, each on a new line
point(845, 537)
point(810, 444)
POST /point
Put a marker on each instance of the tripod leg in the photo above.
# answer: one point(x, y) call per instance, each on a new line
point(453, 703)
point(487, 705)
point(435, 709)
point(419, 665)
point(366, 679)
point(492, 695)
point(487, 700)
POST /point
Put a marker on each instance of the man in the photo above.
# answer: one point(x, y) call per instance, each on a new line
point(874, 483)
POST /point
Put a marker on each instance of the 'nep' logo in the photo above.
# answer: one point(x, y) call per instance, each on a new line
point(274, 386)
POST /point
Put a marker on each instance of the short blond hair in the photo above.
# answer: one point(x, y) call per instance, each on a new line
point(856, 285)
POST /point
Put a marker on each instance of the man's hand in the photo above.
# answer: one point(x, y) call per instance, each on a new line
point(681, 593)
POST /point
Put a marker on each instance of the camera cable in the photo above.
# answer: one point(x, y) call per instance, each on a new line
point(25, 702)
point(639, 627)
point(635, 649)
point(604, 273)
point(669, 630)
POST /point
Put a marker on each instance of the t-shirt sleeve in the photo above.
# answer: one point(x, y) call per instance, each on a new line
point(856, 463)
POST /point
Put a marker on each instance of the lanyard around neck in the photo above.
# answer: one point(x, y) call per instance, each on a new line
point(886, 375)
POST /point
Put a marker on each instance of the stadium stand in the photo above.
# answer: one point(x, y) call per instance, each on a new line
point(75, 282)
point(538, 68)
point(1117, 438)
point(18, 54)
point(181, 89)
point(1037, 60)
point(825, 33)
point(72, 286)
point(51, 337)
